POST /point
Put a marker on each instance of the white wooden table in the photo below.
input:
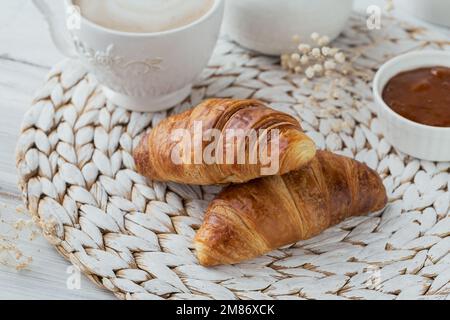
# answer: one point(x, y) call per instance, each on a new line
point(26, 55)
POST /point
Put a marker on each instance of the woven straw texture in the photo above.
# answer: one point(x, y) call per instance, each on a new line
point(134, 236)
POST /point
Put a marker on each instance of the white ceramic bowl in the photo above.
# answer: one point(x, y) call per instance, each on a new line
point(434, 11)
point(418, 140)
point(267, 26)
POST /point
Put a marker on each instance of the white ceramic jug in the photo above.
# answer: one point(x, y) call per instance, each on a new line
point(138, 71)
point(267, 26)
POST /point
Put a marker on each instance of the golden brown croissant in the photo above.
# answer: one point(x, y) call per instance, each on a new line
point(154, 156)
point(252, 219)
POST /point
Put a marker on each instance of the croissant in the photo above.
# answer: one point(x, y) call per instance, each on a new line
point(154, 157)
point(252, 219)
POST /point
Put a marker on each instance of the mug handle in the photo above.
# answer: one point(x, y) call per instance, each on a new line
point(57, 24)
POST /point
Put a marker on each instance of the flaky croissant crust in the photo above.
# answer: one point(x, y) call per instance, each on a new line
point(252, 219)
point(153, 155)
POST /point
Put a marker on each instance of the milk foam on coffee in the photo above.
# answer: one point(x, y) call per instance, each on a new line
point(143, 15)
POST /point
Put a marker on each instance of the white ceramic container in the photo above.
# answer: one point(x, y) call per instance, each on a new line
point(415, 139)
point(434, 11)
point(267, 26)
point(140, 71)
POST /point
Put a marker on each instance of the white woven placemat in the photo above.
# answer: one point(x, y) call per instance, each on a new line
point(134, 236)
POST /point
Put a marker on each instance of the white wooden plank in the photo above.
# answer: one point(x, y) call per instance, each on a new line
point(17, 84)
point(24, 34)
point(26, 54)
point(47, 274)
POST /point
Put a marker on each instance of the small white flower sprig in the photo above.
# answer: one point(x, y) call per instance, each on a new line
point(389, 5)
point(315, 60)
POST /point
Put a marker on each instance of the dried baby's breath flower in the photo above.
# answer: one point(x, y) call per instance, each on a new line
point(323, 41)
point(296, 38)
point(320, 59)
point(33, 235)
point(295, 57)
point(21, 210)
point(304, 60)
point(304, 48)
point(10, 253)
point(315, 36)
point(333, 51)
point(326, 51)
point(49, 227)
point(389, 5)
point(310, 73)
point(298, 69)
point(22, 224)
point(11, 256)
point(291, 64)
point(318, 68)
point(24, 264)
point(329, 65)
point(19, 255)
point(316, 53)
point(339, 57)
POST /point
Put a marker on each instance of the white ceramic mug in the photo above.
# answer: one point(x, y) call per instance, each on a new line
point(139, 71)
point(434, 11)
point(267, 26)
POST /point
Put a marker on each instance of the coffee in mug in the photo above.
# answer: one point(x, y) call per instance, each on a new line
point(149, 71)
point(143, 16)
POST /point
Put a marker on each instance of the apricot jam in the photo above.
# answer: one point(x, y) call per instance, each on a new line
point(421, 95)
